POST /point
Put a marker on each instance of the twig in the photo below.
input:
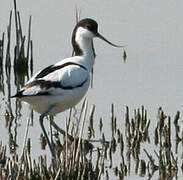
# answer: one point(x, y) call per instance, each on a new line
point(82, 127)
point(7, 62)
point(26, 135)
point(17, 31)
point(29, 34)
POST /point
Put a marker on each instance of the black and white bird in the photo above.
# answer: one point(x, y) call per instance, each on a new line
point(61, 86)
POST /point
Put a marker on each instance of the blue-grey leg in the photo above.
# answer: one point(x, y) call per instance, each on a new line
point(51, 131)
point(44, 131)
point(60, 130)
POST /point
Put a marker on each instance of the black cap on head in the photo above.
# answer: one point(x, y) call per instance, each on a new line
point(89, 24)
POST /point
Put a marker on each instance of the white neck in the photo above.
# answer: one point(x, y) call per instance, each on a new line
point(86, 46)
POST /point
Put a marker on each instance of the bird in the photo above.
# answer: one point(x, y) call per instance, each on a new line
point(61, 86)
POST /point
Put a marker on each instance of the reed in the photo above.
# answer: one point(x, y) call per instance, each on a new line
point(75, 155)
point(22, 60)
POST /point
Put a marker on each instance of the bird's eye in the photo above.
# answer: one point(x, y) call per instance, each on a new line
point(88, 26)
point(91, 28)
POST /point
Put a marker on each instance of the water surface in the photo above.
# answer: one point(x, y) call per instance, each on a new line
point(152, 76)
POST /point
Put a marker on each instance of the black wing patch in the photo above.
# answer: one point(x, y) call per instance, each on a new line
point(45, 85)
point(45, 72)
point(53, 68)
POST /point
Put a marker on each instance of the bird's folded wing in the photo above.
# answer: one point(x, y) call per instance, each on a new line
point(54, 80)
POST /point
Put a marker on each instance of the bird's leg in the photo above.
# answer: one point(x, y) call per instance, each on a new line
point(60, 130)
point(44, 131)
point(51, 132)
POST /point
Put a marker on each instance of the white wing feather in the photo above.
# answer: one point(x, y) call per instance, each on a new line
point(69, 77)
